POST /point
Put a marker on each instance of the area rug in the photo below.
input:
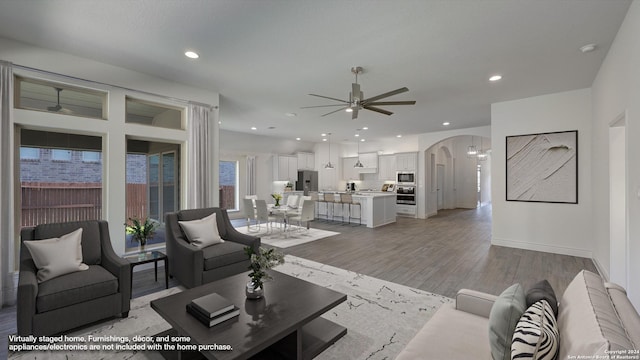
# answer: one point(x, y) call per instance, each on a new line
point(289, 238)
point(381, 317)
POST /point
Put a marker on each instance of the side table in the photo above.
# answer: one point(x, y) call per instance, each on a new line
point(149, 256)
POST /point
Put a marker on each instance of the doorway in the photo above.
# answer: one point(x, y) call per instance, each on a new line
point(618, 208)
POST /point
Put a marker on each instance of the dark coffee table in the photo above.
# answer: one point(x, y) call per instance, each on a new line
point(286, 324)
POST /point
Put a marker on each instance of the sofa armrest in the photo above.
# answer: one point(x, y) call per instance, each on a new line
point(27, 292)
point(475, 302)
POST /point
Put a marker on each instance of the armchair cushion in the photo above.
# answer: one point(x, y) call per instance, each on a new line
point(202, 232)
point(74, 288)
point(91, 237)
point(57, 256)
point(223, 254)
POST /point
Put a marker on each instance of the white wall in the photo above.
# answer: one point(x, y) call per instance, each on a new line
point(558, 228)
point(616, 90)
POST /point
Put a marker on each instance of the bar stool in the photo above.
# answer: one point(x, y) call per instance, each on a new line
point(320, 200)
point(348, 199)
point(330, 199)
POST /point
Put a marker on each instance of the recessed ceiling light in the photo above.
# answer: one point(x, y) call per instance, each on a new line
point(254, 128)
point(323, 134)
point(348, 110)
point(588, 48)
point(356, 135)
point(191, 55)
point(365, 128)
point(291, 114)
point(446, 123)
point(362, 140)
point(398, 136)
point(325, 139)
point(495, 78)
point(298, 139)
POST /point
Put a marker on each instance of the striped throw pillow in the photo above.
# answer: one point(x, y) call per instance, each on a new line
point(536, 336)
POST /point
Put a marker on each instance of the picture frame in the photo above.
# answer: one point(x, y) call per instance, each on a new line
point(542, 167)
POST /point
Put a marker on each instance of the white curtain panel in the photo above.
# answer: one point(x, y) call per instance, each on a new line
point(251, 175)
point(7, 289)
point(200, 154)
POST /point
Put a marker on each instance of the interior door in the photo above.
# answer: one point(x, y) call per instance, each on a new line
point(440, 185)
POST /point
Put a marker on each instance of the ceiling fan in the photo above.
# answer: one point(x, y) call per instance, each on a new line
point(58, 107)
point(357, 101)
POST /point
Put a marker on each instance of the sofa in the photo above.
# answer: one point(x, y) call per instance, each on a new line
point(595, 320)
point(102, 290)
point(193, 266)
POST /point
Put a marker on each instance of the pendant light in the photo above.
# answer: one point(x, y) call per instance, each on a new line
point(482, 155)
point(358, 164)
point(472, 151)
point(329, 165)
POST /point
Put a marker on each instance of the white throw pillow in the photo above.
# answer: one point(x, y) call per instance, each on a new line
point(202, 232)
point(57, 256)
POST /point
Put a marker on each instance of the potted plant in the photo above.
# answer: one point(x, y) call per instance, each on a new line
point(141, 231)
point(261, 261)
point(277, 197)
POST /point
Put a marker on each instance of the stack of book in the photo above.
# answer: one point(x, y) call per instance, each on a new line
point(212, 309)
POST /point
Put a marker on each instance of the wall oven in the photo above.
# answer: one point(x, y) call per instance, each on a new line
point(406, 195)
point(405, 177)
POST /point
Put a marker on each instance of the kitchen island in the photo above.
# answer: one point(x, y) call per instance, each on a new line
point(376, 208)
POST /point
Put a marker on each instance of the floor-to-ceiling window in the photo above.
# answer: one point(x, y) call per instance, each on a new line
point(153, 186)
point(229, 185)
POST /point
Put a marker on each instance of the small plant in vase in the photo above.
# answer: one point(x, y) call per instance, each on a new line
point(141, 231)
point(277, 197)
point(261, 261)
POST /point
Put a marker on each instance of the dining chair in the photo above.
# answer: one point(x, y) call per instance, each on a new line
point(307, 214)
point(249, 214)
point(263, 216)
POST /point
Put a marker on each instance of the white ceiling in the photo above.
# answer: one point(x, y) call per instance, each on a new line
point(265, 56)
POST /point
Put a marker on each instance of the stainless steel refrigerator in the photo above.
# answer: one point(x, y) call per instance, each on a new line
point(307, 181)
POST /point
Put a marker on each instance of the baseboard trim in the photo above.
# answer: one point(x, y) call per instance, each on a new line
point(542, 247)
point(601, 269)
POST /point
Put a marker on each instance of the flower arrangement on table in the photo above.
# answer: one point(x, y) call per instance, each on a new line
point(277, 197)
point(261, 261)
point(140, 230)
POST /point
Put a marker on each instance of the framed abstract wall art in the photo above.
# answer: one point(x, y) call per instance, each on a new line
point(543, 167)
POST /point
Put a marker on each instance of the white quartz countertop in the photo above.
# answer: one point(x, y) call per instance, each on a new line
point(373, 194)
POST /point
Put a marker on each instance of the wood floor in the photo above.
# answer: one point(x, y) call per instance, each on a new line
point(441, 254)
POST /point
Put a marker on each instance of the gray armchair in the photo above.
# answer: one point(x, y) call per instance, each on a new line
point(193, 266)
point(79, 298)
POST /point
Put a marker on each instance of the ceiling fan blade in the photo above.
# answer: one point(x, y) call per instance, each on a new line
point(330, 98)
point(319, 106)
point(387, 94)
point(382, 111)
point(354, 113)
point(335, 111)
point(355, 91)
point(392, 103)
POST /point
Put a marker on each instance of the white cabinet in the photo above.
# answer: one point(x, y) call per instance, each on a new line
point(306, 161)
point(387, 167)
point(348, 171)
point(370, 162)
point(407, 161)
point(285, 168)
